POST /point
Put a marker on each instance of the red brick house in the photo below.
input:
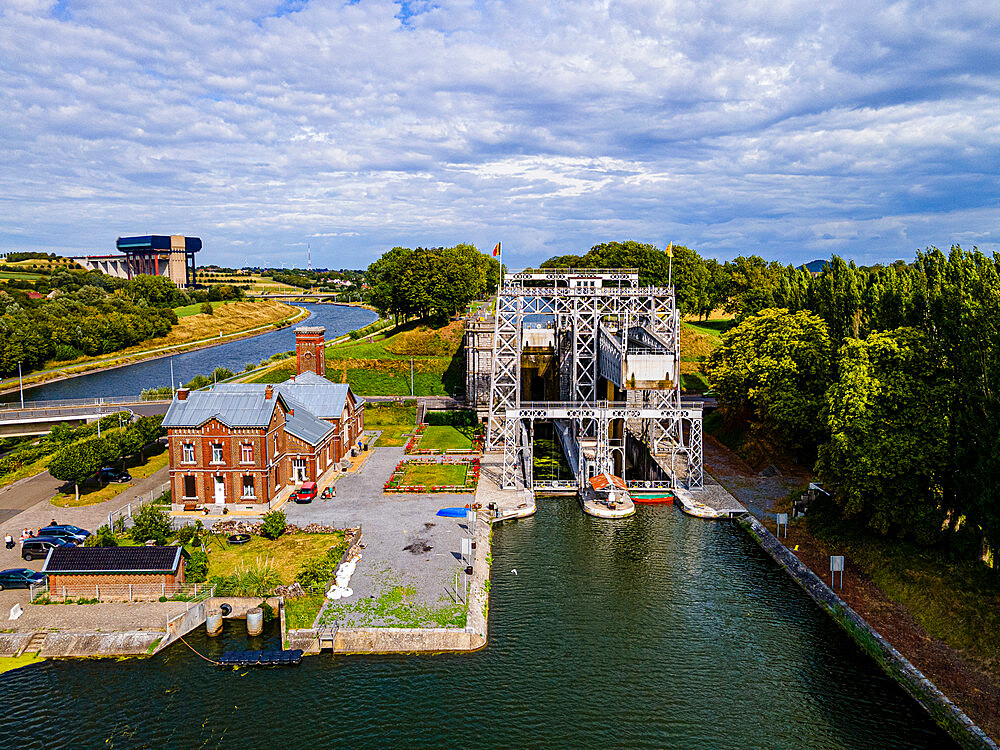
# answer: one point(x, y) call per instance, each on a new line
point(110, 573)
point(242, 443)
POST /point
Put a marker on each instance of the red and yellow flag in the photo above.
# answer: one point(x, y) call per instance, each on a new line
point(670, 250)
point(496, 251)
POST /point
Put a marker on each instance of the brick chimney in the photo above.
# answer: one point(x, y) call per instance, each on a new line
point(310, 350)
point(269, 392)
point(182, 394)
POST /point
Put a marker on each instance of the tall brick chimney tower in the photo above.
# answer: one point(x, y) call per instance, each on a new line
point(310, 352)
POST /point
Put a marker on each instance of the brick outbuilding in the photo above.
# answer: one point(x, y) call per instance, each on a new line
point(110, 573)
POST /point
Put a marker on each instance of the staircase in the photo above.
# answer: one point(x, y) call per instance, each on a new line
point(34, 644)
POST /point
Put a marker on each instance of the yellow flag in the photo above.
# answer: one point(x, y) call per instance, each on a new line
point(670, 250)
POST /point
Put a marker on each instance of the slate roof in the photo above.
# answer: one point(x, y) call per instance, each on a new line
point(113, 560)
point(235, 408)
point(312, 397)
point(304, 425)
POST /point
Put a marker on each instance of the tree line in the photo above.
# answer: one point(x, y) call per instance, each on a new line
point(74, 313)
point(78, 460)
point(430, 282)
point(888, 377)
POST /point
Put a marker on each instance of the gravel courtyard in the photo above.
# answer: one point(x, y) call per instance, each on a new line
point(406, 575)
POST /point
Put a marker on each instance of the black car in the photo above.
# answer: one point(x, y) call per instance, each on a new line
point(111, 474)
point(65, 533)
point(39, 546)
point(66, 527)
point(19, 578)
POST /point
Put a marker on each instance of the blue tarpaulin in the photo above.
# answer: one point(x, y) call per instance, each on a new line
point(453, 512)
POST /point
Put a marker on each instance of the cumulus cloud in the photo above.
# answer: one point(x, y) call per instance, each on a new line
point(786, 128)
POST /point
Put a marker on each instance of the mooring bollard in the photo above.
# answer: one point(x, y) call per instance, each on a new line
point(255, 621)
point(213, 623)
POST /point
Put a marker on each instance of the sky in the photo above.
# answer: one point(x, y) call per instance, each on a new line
point(789, 129)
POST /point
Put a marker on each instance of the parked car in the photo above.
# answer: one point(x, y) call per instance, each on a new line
point(64, 533)
point(111, 474)
point(306, 493)
point(68, 527)
point(39, 546)
point(19, 578)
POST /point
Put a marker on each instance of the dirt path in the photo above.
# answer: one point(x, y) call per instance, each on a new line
point(972, 689)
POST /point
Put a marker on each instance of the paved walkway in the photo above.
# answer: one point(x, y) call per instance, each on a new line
point(406, 544)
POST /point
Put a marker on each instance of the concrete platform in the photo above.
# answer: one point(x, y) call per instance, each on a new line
point(510, 503)
point(712, 501)
point(597, 509)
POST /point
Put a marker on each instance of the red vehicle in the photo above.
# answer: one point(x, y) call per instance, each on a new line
point(306, 493)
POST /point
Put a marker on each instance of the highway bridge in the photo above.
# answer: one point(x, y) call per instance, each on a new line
point(38, 417)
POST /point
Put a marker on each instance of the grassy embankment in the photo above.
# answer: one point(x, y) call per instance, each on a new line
point(190, 331)
point(957, 601)
point(157, 457)
point(446, 437)
point(382, 367)
point(699, 338)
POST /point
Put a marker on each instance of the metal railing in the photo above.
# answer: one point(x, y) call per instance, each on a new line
point(124, 592)
point(69, 403)
point(125, 512)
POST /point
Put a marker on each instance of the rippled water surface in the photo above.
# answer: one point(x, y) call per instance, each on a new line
point(656, 631)
point(132, 379)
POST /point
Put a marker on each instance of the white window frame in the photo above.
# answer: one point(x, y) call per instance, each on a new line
point(244, 449)
point(218, 455)
point(252, 492)
point(187, 453)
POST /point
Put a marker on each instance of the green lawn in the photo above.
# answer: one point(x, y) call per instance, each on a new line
point(393, 420)
point(434, 474)
point(446, 438)
point(713, 327)
point(288, 552)
point(195, 309)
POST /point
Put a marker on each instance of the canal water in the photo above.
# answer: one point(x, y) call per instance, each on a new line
point(655, 631)
point(132, 379)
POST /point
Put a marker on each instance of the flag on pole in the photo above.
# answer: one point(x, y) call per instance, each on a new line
point(670, 250)
point(496, 251)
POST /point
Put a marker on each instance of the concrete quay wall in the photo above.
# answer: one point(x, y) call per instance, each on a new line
point(945, 713)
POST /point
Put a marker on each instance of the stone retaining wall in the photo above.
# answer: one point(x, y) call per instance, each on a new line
point(945, 713)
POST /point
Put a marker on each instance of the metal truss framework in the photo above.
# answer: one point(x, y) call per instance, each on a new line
point(585, 305)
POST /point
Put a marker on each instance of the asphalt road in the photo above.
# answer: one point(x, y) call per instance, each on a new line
point(25, 493)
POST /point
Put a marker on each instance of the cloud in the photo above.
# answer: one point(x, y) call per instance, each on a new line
point(786, 128)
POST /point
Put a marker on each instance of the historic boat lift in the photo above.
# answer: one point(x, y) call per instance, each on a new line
point(598, 357)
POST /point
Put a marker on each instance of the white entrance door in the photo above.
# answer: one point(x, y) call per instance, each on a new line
point(220, 490)
point(298, 470)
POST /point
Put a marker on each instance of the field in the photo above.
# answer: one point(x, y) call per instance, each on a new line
point(19, 275)
point(195, 309)
point(382, 367)
point(393, 420)
point(257, 284)
point(288, 552)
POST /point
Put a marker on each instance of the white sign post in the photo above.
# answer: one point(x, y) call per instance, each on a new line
point(837, 564)
point(782, 518)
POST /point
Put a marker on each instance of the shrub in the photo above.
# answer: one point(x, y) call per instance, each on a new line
point(185, 534)
point(206, 308)
point(152, 522)
point(103, 537)
point(196, 569)
point(318, 571)
point(273, 524)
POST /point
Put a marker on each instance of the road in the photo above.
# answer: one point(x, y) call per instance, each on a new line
point(25, 493)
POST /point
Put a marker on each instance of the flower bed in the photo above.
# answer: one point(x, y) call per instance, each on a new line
point(440, 469)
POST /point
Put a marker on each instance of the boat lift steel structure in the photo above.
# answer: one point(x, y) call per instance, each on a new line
point(604, 315)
